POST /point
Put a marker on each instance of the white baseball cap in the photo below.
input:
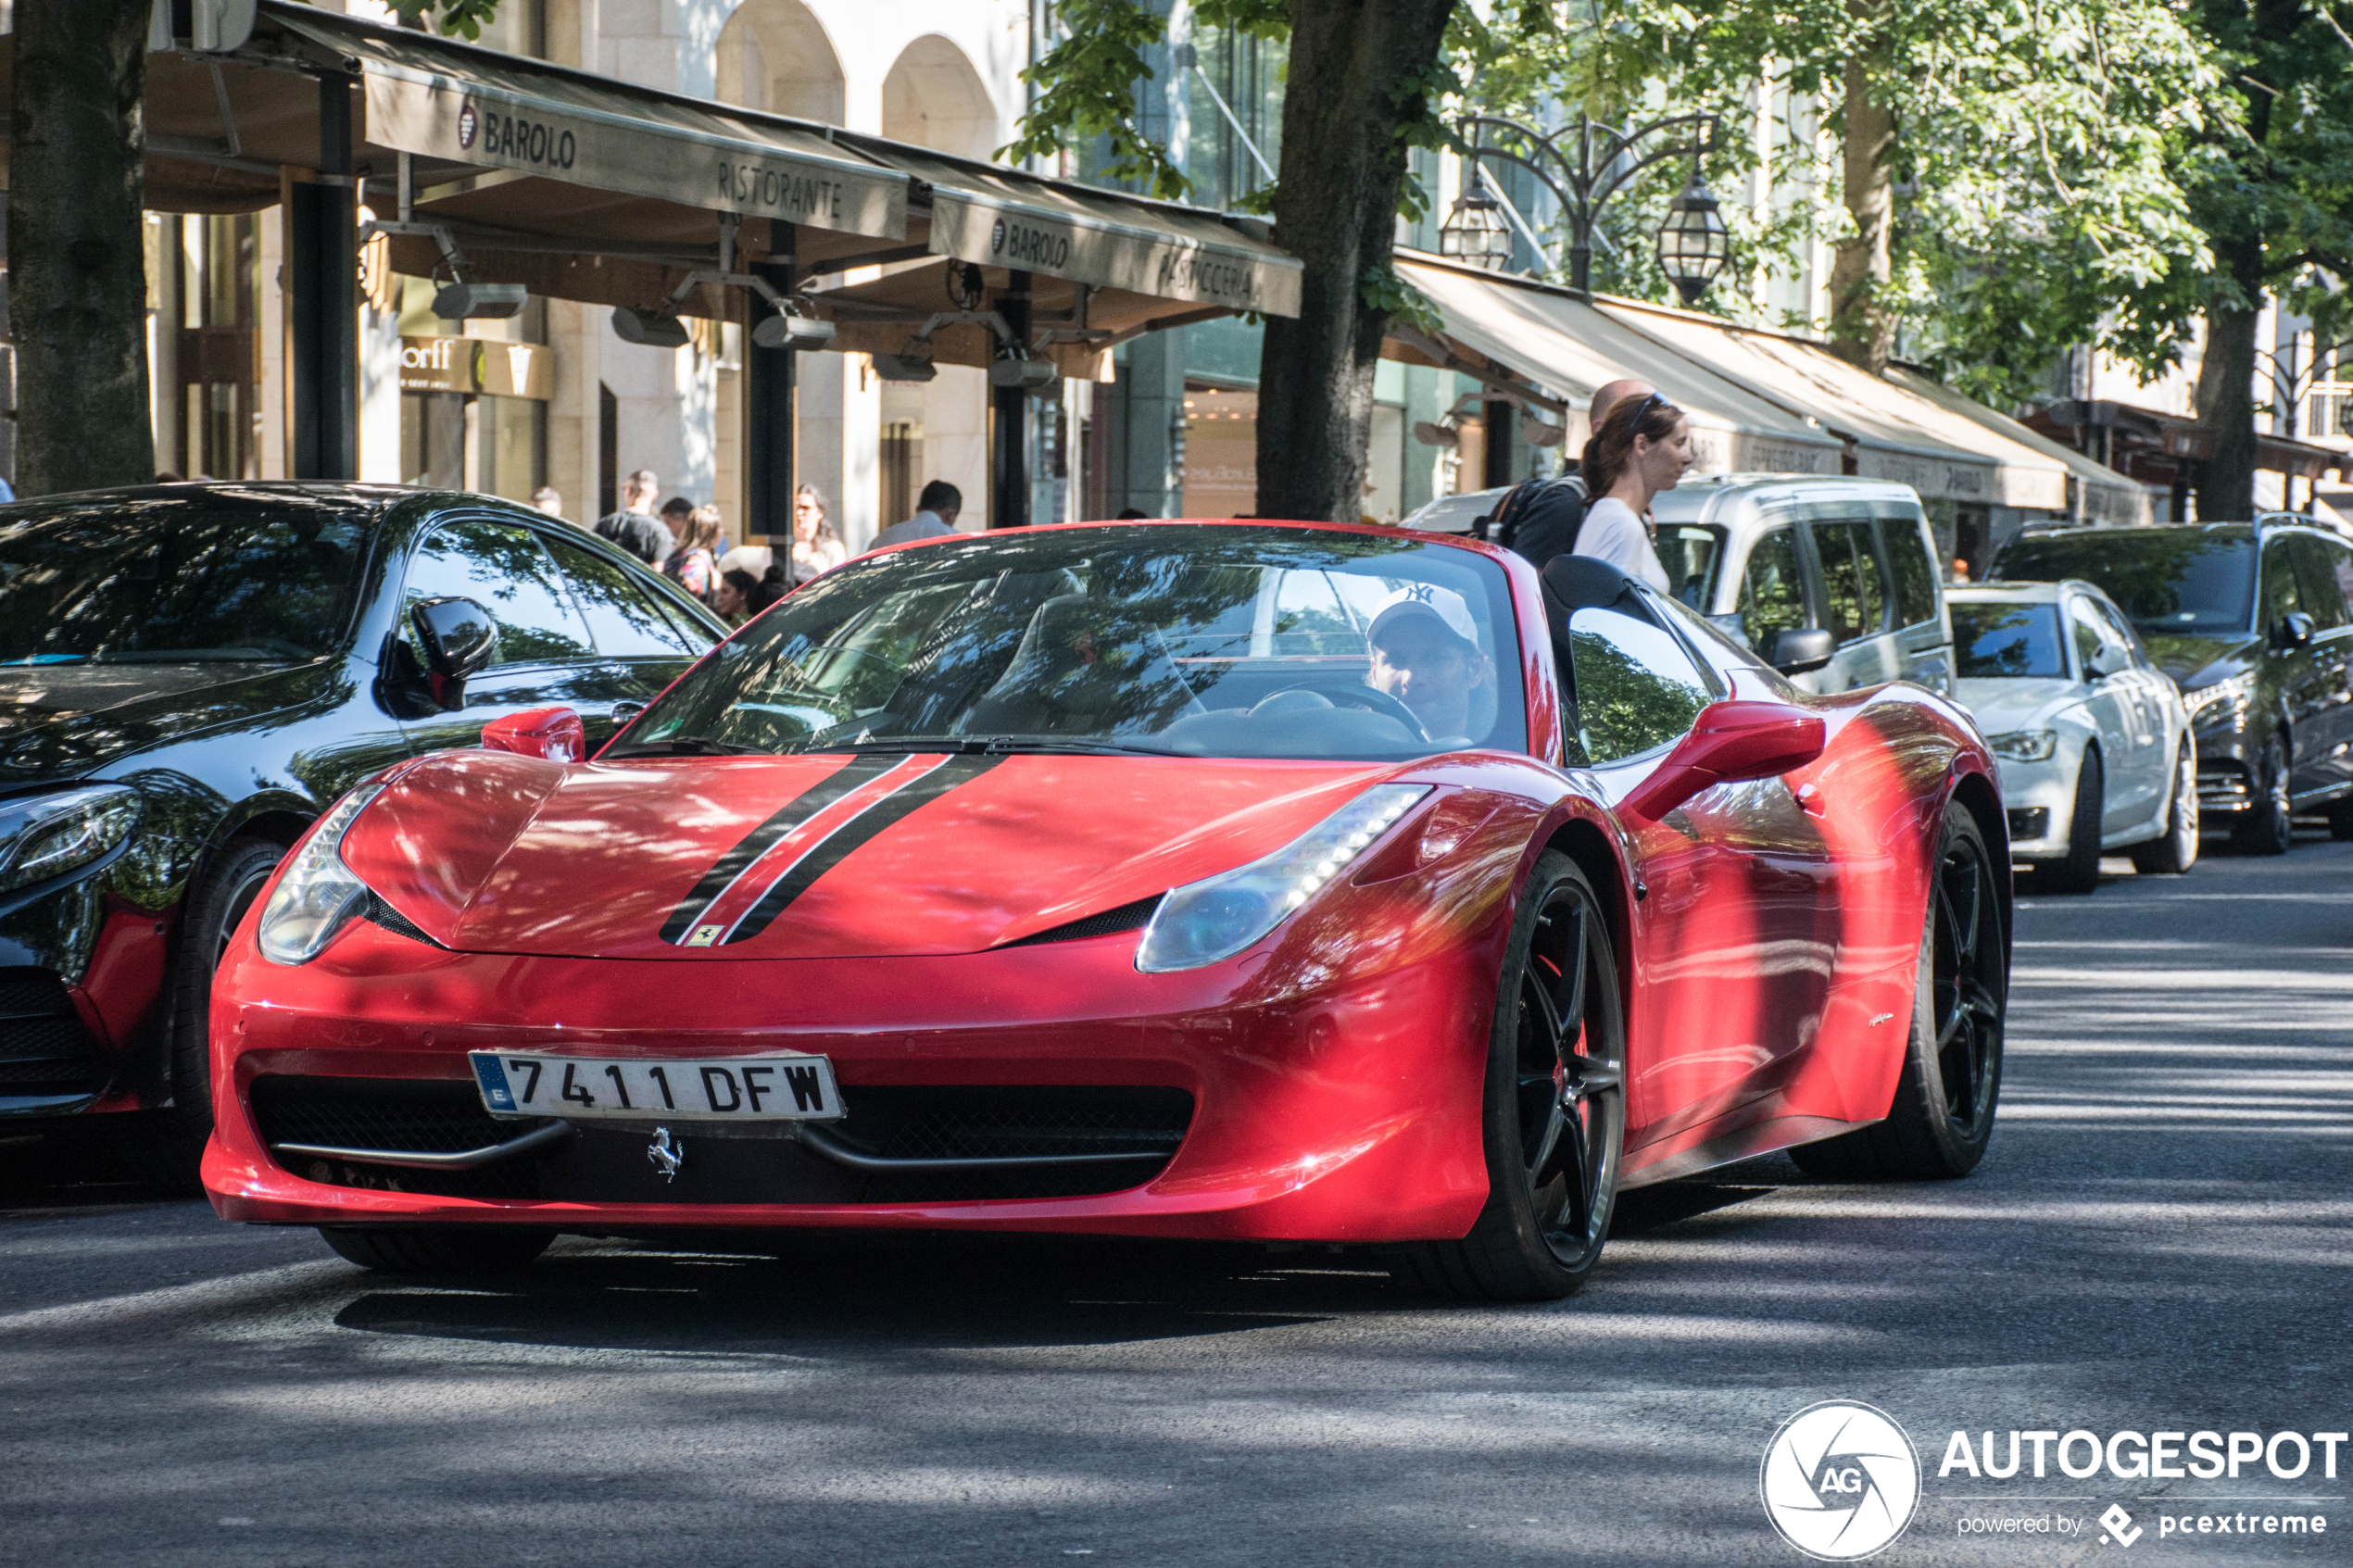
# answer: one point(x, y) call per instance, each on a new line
point(1427, 602)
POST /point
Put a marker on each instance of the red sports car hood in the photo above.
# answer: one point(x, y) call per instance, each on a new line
point(812, 856)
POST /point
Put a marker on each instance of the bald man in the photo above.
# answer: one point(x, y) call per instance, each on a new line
point(1540, 520)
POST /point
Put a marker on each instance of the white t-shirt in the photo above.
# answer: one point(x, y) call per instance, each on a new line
point(1612, 532)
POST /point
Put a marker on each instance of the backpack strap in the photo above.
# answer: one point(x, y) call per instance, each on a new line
point(1501, 525)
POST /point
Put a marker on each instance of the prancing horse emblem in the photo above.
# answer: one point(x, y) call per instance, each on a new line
point(666, 1154)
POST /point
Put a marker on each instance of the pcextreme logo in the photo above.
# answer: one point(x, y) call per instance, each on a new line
point(1840, 1480)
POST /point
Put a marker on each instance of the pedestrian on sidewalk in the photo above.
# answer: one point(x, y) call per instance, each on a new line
point(1539, 518)
point(1641, 448)
point(634, 528)
point(693, 563)
point(935, 515)
point(816, 548)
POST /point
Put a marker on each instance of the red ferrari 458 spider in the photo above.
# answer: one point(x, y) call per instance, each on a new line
point(1229, 880)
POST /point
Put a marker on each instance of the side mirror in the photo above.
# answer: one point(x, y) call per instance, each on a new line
point(457, 636)
point(554, 734)
point(1802, 650)
point(2106, 661)
point(2293, 631)
point(1732, 741)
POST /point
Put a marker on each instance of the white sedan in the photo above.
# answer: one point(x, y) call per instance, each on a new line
point(2093, 741)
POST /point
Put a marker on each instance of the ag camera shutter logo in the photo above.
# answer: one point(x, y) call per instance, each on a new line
point(1840, 1480)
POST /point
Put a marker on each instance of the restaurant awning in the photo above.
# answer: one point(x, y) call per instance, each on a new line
point(1897, 433)
point(1554, 339)
point(2106, 495)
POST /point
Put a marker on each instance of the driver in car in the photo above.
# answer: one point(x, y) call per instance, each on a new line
point(1424, 660)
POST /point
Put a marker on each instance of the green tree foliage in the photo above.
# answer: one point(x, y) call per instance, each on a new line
point(2002, 177)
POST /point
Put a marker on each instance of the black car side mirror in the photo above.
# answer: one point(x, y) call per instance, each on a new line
point(457, 637)
point(1803, 648)
point(2293, 631)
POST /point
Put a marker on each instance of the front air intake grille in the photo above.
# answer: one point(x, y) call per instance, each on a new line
point(44, 1048)
point(396, 1115)
point(1127, 916)
point(607, 1163)
point(2030, 822)
point(1000, 1123)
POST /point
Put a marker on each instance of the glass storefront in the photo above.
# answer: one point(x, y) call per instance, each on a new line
point(473, 410)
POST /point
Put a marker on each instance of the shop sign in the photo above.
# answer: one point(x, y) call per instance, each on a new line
point(472, 123)
point(1164, 266)
point(478, 364)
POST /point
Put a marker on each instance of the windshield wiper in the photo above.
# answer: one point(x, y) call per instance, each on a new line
point(692, 746)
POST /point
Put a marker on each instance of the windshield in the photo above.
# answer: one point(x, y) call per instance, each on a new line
point(2167, 581)
point(1998, 641)
point(1187, 640)
point(1689, 552)
point(168, 582)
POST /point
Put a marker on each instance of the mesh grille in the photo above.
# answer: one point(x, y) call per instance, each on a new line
point(1127, 916)
point(45, 1048)
point(393, 1114)
point(392, 920)
point(967, 1123)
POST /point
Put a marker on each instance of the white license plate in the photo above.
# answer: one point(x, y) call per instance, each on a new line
point(591, 1089)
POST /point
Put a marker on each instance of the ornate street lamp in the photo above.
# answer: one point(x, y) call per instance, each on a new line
point(1584, 165)
point(1694, 244)
point(1474, 233)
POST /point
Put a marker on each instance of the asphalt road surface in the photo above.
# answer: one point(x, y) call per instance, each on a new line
point(2159, 1240)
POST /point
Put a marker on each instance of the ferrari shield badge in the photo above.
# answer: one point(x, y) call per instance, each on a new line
point(666, 1154)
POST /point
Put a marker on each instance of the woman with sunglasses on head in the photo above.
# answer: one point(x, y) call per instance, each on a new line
point(1643, 447)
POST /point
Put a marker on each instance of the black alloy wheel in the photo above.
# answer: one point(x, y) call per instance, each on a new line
point(1554, 1107)
point(1943, 1115)
point(2267, 826)
point(2079, 870)
point(216, 904)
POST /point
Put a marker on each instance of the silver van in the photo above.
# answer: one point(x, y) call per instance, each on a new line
point(1764, 555)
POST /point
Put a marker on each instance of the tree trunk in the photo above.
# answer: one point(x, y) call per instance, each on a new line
point(2225, 396)
point(1355, 65)
point(77, 246)
point(1862, 325)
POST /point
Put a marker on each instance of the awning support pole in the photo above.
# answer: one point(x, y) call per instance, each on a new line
point(322, 301)
point(1009, 459)
point(768, 403)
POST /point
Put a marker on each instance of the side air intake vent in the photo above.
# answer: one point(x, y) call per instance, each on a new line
point(392, 920)
point(1127, 916)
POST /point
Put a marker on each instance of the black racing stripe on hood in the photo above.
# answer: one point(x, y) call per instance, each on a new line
point(857, 771)
point(881, 817)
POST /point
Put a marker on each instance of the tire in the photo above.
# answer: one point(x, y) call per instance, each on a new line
point(2176, 851)
point(2080, 871)
point(1945, 1100)
point(467, 1249)
point(216, 904)
point(2266, 827)
point(1553, 1108)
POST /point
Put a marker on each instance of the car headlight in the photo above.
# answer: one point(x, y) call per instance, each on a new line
point(317, 892)
point(51, 834)
point(2232, 689)
point(1218, 917)
point(2025, 746)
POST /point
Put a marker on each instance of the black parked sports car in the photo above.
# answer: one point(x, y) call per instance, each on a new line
point(189, 675)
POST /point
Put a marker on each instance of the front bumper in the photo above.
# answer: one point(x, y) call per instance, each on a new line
point(1320, 1108)
point(2039, 800)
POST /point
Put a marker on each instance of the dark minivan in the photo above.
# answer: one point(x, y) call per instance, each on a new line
point(189, 675)
point(2251, 620)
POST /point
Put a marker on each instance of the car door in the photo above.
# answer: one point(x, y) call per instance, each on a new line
point(2299, 676)
point(1739, 881)
point(545, 654)
point(1923, 645)
point(2153, 700)
point(1856, 603)
point(2324, 567)
point(645, 635)
point(2113, 708)
point(2136, 760)
point(1772, 596)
